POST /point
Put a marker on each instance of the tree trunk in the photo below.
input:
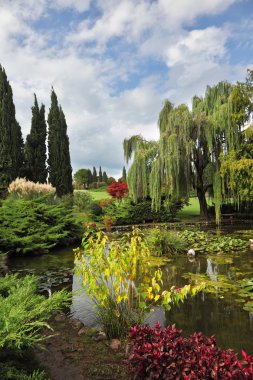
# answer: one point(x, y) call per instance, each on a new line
point(202, 202)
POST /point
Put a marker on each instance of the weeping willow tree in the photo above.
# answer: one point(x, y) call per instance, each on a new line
point(191, 144)
point(145, 154)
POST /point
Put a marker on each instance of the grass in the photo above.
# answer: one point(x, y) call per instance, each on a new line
point(191, 210)
point(98, 194)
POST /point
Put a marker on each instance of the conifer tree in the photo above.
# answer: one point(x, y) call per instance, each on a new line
point(94, 175)
point(90, 177)
point(35, 147)
point(124, 176)
point(100, 175)
point(11, 142)
point(59, 166)
point(105, 177)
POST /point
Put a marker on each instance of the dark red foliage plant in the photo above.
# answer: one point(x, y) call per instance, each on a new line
point(117, 189)
point(165, 354)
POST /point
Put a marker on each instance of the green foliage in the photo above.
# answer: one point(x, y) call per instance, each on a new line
point(237, 173)
point(59, 166)
point(94, 175)
point(11, 142)
point(23, 312)
point(116, 276)
point(82, 179)
point(187, 155)
point(245, 291)
point(162, 242)
point(127, 212)
point(207, 243)
point(33, 226)
point(9, 371)
point(96, 210)
point(35, 147)
point(82, 200)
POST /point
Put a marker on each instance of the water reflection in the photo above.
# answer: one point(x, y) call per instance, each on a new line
point(232, 326)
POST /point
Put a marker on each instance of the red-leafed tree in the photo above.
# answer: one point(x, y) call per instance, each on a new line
point(117, 189)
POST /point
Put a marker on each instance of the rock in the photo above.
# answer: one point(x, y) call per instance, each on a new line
point(128, 350)
point(115, 344)
point(83, 330)
point(100, 336)
point(76, 324)
point(60, 317)
point(191, 252)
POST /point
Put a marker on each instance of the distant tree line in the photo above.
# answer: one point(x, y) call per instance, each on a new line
point(29, 159)
point(87, 179)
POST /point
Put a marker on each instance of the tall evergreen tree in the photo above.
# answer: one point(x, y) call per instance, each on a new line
point(11, 142)
point(100, 175)
point(124, 175)
point(35, 147)
point(94, 175)
point(105, 177)
point(59, 166)
point(90, 177)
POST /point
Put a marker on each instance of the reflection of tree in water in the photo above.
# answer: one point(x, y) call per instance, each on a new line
point(212, 270)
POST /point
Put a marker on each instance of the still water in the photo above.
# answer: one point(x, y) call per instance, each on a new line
point(213, 314)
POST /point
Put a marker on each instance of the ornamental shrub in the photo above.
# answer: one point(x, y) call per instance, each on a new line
point(21, 188)
point(24, 312)
point(165, 354)
point(126, 212)
point(33, 226)
point(82, 200)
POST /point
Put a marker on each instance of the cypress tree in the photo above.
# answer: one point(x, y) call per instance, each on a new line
point(105, 177)
point(124, 176)
point(11, 142)
point(94, 175)
point(59, 166)
point(35, 147)
point(90, 177)
point(100, 175)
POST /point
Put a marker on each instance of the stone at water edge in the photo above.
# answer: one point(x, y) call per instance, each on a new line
point(60, 317)
point(115, 344)
point(76, 324)
point(83, 330)
point(100, 336)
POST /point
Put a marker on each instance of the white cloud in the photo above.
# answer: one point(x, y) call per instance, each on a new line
point(79, 5)
point(100, 113)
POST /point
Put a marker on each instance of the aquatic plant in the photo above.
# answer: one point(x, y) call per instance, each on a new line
point(117, 277)
point(165, 354)
point(163, 242)
point(207, 243)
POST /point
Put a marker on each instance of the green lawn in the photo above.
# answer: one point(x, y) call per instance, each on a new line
point(98, 194)
point(191, 210)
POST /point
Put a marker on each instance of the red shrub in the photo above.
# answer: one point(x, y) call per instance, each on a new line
point(117, 189)
point(165, 354)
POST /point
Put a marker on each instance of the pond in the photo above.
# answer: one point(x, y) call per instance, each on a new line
point(214, 314)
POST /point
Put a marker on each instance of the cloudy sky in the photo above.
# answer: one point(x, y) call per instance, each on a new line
point(113, 63)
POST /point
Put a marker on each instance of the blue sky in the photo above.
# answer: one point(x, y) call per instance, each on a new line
point(113, 63)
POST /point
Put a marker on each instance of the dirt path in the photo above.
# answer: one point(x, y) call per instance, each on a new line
point(72, 356)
